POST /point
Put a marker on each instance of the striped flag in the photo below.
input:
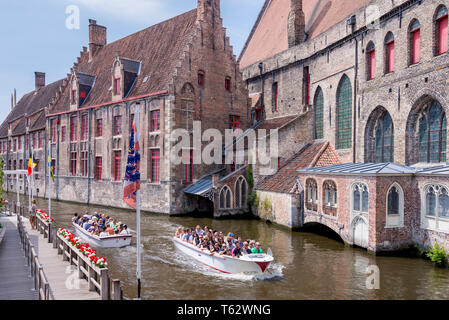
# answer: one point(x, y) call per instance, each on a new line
point(132, 174)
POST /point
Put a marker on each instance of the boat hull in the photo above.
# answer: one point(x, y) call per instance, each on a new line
point(254, 263)
point(117, 241)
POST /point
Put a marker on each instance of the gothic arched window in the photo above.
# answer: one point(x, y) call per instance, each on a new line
point(344, 114)
point(319, 113)
point(432, 133)
point(384, 138)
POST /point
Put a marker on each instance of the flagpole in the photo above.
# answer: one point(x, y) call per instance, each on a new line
point(49, 179)
point(139, 267)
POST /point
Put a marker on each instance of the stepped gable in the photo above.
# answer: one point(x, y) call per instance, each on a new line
point(31, 103)
point(157, 48)
point(269, 34)
point(312, 155)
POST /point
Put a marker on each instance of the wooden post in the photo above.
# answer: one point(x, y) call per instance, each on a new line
point(54, 237)
point(58, 244)
point(117, 289)
point(80, 262)
point(89, 278)
point(64, 249)
point(39, 281)
point(104, 284)
point(47, 291)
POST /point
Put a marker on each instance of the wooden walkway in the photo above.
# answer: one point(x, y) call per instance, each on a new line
point(15, 280)
point(63, 278)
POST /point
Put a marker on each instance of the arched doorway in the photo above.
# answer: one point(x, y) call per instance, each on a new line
point(360, 232)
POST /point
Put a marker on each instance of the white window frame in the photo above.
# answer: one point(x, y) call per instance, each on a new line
point(434, 223)
point(355, 214)
point(395, 220)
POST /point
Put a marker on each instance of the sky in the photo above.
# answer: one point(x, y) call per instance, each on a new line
point(44, 36)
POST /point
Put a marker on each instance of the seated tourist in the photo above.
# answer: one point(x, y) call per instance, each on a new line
point(240, 240)
point(75, 218)
point(257, 248)
point(199, 231)
point(252, 244)
point(216, 248)
point(110, 231)
point(237, 252)
point(125, 230)
point(229, 244)
point(87, 224)
point(179, 233)
point(103, 232)
point(245, 248)
point(101, 224)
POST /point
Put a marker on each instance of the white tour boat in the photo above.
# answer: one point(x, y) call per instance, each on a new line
point(115, 241)
point(251, 263)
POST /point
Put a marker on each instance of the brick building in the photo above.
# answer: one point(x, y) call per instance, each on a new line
point(173, 73)
point(23, 133)
point(370, 78)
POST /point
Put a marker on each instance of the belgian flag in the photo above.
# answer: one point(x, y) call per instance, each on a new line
point(31, 165)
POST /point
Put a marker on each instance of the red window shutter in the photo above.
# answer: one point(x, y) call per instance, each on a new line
point(442, 35)
point(98, 168)
point(416, 46)
point(117, 86)
point(117, 164)
point(372, 64)
point(82, 94)
point(154, 166)
point(391, 56)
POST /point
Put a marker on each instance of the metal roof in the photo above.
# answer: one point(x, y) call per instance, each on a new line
point(436, 170)
point(362, 168)
point(203, 185)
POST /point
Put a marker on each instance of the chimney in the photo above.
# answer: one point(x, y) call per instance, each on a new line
point(97, 38)
point(208, 9)
point(12, 101)
point(39, 80)
point(296, 24)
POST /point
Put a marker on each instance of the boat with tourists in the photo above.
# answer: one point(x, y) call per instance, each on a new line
point(224, 254)
point(112, 241)
point(101, 231)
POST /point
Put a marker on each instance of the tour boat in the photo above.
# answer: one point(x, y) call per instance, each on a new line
point(115, 241)
point(251, 263)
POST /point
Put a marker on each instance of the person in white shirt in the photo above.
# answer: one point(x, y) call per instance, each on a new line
point(124, 230)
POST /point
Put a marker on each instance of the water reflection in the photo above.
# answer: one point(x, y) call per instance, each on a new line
point(307, 266)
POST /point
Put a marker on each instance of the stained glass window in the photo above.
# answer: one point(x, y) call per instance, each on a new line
point(319, 114)
point(344, 114)
point(432, 134)
point(384, 139)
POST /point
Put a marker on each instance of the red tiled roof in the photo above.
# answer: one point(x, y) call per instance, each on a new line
point(276, 123)
point(29, 104)
point(314, 155)
point(269, 35)
point(157, 48)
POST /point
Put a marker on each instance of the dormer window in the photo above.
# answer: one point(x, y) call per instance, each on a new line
point(124, 76)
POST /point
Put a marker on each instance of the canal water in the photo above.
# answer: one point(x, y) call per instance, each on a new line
point(307, 265)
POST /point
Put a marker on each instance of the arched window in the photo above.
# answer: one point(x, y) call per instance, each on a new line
point(389, 52)
point(311, 195)
point(371, 61)
point(330, 198)
point(441, 31)
point(395, 206)
point(360, 198)
point(384, 138)
point(225, 198)
point(432, 133)
point(240, 192)
point(319, 113)
point(437, 203)
point(415, 41)
point(344, 114)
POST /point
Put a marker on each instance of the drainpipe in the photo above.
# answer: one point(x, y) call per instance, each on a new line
point(356, 70)
point(89, 153)
point(57, 161)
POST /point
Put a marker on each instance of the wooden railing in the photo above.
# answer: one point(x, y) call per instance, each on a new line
point(37, 272)
point(97, 278)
